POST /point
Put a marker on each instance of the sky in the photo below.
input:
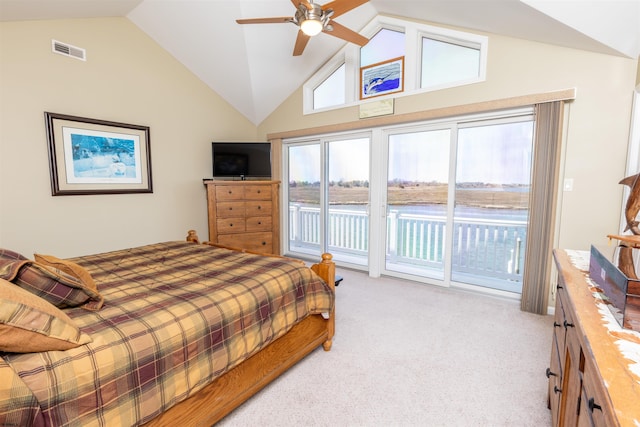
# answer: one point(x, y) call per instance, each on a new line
point(491, 154)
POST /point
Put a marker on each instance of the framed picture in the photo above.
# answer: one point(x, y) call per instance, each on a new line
point(382, 78)
point(89, 156)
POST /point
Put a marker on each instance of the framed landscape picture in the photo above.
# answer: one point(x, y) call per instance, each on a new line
point(89, 156)
point(382, 78)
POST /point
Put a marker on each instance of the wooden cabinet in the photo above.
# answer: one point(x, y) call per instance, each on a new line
point(244, 215)
point(586, 354)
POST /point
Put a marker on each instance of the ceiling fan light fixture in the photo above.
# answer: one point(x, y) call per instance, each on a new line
point(311, 27)
point(312, 19)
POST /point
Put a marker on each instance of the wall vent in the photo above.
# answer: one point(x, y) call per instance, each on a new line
point(68, 50)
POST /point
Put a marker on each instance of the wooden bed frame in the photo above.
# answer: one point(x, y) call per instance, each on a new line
point(229, 391)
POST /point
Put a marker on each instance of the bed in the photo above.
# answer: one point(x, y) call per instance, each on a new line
point(167, 333)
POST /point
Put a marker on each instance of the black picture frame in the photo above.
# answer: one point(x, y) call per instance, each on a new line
point(91, 156)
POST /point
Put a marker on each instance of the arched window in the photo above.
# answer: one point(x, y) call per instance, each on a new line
point(423, 57)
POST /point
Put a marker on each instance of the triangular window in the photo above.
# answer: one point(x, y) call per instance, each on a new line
point(386, 44)
point(331, 91)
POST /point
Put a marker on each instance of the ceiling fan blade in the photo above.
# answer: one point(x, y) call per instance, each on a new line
point(278, 20)
point(344, 33)
point(304, 2)
point(301, 43)
point(341, 7)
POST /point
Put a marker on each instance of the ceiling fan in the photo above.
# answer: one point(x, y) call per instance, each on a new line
point(313, 18)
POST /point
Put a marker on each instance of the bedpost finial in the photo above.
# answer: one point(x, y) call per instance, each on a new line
point(327, 257)
point(192, 236)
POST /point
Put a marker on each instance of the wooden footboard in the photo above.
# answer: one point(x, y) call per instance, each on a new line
point(230, 390)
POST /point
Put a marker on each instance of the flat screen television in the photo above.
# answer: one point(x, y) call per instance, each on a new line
point(241, 160)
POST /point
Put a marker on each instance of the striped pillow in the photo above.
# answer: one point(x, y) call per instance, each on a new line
point(80, 274)
point(63, 288)
point(30, 324)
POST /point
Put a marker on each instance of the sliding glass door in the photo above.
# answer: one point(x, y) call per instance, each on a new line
point(328, 198)
point(417, 200)
point(448, 202)
point(493, 179)
point(304, 198)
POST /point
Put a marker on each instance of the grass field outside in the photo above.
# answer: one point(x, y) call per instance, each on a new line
point(472, 195)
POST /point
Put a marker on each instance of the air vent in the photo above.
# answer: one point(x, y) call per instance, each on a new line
point(68, 50)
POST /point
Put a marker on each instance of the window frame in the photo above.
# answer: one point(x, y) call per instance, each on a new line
point(479, 43)
point(414, 32)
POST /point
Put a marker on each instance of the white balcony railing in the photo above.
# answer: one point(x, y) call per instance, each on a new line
point(481, 247)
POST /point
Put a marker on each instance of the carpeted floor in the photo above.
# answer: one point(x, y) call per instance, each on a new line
point(408, 354)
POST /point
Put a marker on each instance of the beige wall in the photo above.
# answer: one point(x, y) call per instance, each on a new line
point(598, 122)
point(127, 78)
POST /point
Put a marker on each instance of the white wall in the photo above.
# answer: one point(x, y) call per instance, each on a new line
point(597, 129)
point(127, 78)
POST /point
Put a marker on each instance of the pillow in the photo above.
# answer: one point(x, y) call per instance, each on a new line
point(69, 267)
point(9, 261)
point(7, 254)
point(62, 283)
point(29, 323)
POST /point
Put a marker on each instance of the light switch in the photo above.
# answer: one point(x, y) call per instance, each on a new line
point(568, 184)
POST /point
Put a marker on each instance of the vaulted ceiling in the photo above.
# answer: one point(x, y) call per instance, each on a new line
point(252, 67)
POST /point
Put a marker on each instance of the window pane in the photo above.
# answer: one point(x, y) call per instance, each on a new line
point(493, 179)
point(386, 44)
point(304, 199)
point(347, 219)
point(417, 192)
point(447, 62)
point(331, 91)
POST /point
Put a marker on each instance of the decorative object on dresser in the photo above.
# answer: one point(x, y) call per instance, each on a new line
point(613, 269)
point(594, 375)
point(244, 215)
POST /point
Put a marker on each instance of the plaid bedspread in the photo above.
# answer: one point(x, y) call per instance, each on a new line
point(176, 316)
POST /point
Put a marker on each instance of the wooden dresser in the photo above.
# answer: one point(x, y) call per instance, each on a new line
point(594, 374)
point(244, 214)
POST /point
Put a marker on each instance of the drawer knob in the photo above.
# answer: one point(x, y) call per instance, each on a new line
point(231, 225)
point(550, 374)
point(259, 207)
point(556, 325)
point(259, 191)
point(264, 243)
point(259, 222)
point(593, 405)
point(568, 325)
point(556, 390)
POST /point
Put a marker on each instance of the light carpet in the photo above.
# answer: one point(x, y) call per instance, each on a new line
point(408, 354)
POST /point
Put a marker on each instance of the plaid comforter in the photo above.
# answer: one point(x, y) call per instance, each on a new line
point(176, 315)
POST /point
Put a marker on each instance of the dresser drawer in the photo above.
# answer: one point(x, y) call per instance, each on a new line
point(259, 223)
point(258, 208)
point(230, 209)
point(255, 242)
point(244, 215)
point(229, 192)
point(231, 225)
point(257, 192)
point(594, 405)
